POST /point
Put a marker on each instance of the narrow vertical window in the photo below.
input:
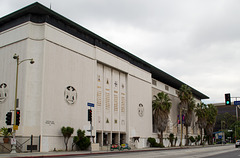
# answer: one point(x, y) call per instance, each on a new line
point(154, 82)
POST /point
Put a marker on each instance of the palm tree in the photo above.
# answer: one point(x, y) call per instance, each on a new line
point(189, 115)
point(211, 114)
point(161, 109)
point(187, 102)
point(184, 94)
point(201, 114)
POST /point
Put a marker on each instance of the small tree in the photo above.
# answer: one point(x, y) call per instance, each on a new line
point(235, 127)
point(67, 132)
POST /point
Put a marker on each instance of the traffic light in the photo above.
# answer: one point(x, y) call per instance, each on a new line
point(227, 99)
point(9, 130)
point(17, 117)
point(9, 118)
point(89, 114)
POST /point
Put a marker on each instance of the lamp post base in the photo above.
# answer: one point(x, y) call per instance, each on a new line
point(13, 149)
point(13, 142)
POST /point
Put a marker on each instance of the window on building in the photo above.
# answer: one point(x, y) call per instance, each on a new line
point(166, 87)
point(154, 82)
point(176, 91)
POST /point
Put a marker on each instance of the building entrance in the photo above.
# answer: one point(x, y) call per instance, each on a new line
point(122, 138)
point(99, 138)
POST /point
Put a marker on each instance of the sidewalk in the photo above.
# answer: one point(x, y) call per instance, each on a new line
point(76, 153)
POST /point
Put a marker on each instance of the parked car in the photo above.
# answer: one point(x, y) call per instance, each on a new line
point(237, 144)
point(221, 142)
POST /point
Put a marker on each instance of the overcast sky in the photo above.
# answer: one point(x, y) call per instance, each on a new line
point(196, 41)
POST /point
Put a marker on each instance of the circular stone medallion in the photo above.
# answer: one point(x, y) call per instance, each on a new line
point(140, 110)
point(70, 95)
point(3, 92)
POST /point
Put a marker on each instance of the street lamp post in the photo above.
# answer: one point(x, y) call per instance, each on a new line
point(15, 105)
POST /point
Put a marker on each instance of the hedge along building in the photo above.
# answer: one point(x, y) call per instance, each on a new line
point(73, 67)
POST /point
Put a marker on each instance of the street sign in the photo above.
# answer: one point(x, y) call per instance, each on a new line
point(13, 141)
point(236, 102)
point(15, 127)
point(90, 104)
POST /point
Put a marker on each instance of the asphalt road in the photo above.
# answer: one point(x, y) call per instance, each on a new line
point(225, 151)
point(232, 154)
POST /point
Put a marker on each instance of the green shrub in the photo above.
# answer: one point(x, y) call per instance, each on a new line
point(84, 143)
point(197, 139)
point(153, 143)
point(192, 139)
point(160, 145)
point(81, 141)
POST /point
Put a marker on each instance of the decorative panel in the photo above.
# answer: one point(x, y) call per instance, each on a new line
point(107, 98)
point(99, 104)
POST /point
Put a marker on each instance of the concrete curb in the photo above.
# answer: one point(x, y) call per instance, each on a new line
point(79, 153)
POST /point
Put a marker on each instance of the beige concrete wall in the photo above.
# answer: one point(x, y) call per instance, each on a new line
point(24, 42)
point(139, 92)
point(62, 60)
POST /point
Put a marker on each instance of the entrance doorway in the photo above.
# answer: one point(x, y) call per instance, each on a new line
point(115, 139)
point(122, 138)
point(106, 138)
point(99, 138)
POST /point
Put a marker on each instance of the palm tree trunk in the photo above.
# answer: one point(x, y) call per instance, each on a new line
point(211, 140)
point(187, 140)
point(161, 140)
point(201, 136)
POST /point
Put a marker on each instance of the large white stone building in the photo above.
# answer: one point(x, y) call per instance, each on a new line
point(73, 67)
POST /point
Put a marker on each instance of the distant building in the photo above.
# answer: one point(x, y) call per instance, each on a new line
point(74, 67)
point(222, 109)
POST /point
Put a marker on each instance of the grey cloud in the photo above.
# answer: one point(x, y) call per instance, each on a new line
point(196, 41)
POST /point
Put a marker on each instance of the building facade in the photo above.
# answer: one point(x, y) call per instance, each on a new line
point(223, 109)
point(74, 67)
